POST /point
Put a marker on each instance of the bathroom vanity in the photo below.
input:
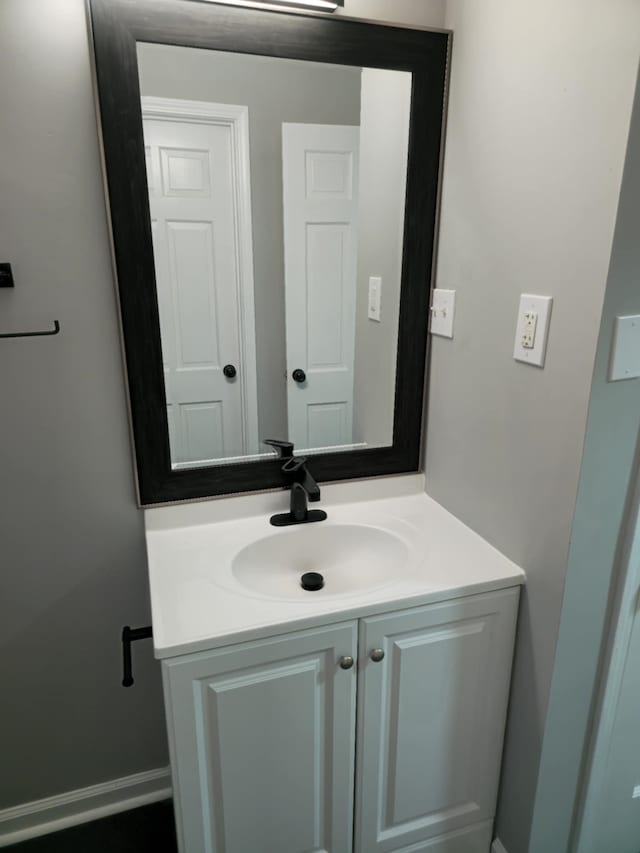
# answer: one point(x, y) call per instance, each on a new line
point(366, 716)
point(273, 187)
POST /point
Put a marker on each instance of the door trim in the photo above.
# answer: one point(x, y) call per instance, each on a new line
point(236, 118)
point(623, 612)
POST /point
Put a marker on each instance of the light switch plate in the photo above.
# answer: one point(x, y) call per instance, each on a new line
point(532, 331)
point(625, 352)
point(443, 307)
point(375, 297)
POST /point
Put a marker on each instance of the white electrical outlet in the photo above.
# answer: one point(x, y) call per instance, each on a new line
point(636, 793)
point(443, 307)
point(529, 333)
point(375, 293)
point(532, 329)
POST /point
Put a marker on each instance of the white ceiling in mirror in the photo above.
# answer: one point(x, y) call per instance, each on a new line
point(276, 191)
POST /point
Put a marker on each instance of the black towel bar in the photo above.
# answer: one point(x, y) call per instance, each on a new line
point(54, 331)
point(129, 635)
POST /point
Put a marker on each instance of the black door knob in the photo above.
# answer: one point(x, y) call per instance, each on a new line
point(229, 371)
point(299, 375)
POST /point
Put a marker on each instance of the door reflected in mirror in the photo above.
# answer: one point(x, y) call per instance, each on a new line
point(277, 196)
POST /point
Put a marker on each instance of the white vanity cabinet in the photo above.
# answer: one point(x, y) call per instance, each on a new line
point(268, 744)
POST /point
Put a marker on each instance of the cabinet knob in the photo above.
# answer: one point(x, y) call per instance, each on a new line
point(346, 662)
point(377, 655)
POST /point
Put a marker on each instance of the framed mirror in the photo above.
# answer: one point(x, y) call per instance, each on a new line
point(272, 181)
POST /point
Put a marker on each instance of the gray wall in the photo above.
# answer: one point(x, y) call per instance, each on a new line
point(73, 562)
point(275, 91)
point(610, 448)
point(535, 149)
point(73, 559)
point(384, 137)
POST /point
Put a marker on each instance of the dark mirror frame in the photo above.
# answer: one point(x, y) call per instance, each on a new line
point(117, 25)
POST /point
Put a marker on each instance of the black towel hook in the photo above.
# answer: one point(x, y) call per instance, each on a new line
point(54, 331)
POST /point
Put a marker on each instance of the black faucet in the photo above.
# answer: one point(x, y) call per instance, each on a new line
point(303, 488)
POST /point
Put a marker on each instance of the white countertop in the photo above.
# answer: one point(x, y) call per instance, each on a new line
point(197, 604)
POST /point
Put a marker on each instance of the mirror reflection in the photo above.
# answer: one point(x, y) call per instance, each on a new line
point(276, 193)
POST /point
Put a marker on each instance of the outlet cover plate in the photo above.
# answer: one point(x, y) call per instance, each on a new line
point(541, 306)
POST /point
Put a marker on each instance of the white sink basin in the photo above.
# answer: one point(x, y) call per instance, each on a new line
point(352, 558)
point(219, 573)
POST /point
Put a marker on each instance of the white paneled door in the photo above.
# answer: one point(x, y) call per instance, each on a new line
point(320, 194)
point(202, 284)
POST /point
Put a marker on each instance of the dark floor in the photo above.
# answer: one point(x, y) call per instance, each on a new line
point(148, 829)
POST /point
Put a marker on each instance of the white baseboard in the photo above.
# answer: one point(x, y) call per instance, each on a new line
point(41, 817)
point(497, 846)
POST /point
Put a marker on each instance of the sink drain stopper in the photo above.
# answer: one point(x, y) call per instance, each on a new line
point(312, 581)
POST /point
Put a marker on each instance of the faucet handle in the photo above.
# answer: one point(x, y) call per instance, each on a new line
point(294, 464)
point(284, 448)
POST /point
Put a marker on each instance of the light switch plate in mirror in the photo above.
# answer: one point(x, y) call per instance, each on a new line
point(189, 442)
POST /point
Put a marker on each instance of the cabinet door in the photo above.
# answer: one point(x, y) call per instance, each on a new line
point(431, 719)
point(262, 744)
